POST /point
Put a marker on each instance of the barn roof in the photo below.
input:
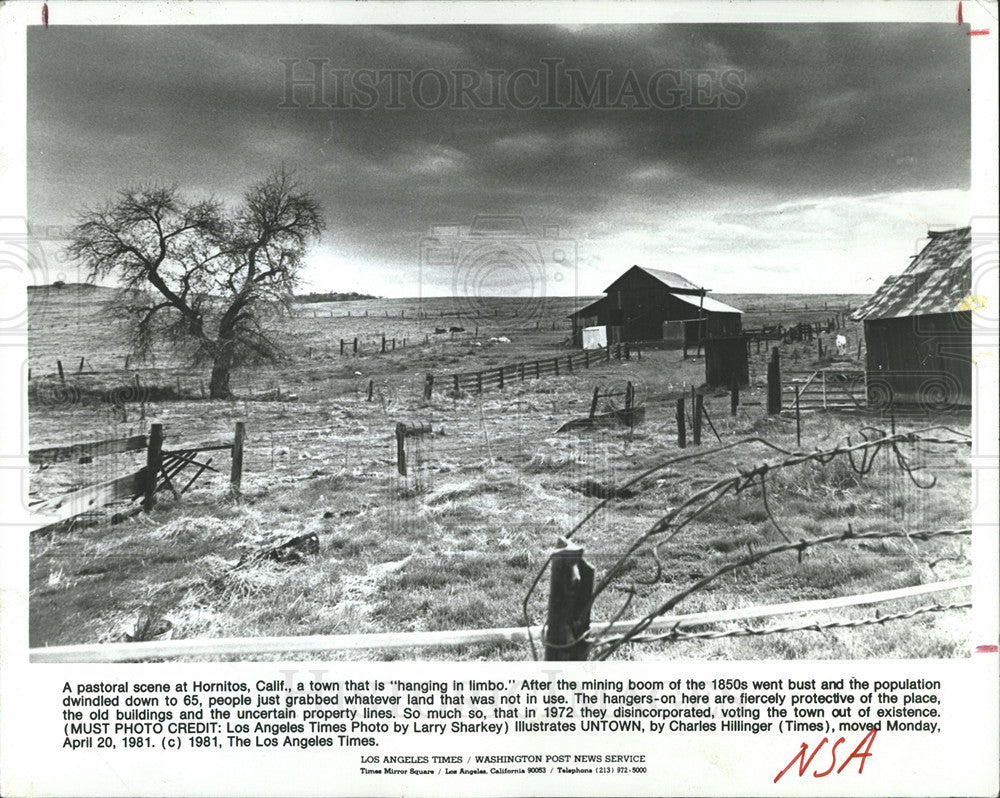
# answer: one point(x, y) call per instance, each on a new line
point(935, 282)
point(709, 304)
point(672, 280)
point(588, 310)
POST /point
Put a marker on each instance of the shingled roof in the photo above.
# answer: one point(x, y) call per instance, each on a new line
point(935, 282)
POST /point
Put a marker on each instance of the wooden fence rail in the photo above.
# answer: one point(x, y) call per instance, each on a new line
point(498, 377)
point(161, 467)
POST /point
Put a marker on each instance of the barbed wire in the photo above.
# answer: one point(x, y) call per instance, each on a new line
point(860, 455)
point(678, 634)
point(753, 558)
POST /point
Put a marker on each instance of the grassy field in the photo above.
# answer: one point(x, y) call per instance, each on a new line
point(456, 543)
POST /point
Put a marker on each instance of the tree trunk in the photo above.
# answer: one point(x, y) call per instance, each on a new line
point(218, 387)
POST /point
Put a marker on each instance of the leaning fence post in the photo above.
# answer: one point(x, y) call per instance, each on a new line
point(236, 472)
point(62, 376)
point(571, 586)
point(80, 370)
point(681, 432)
point(593, 402)
point(774, 384)
point(154, 458)
point(699, 408)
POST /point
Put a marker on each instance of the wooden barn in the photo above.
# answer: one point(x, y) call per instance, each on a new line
point(653, 305)
point(918, 329)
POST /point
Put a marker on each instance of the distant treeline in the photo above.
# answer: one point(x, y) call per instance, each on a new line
point(333, 296)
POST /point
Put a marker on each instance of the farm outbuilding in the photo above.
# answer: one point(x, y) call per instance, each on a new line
point(653, 305)
point(918, 328)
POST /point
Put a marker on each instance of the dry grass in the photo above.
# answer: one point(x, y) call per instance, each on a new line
point(457, 542)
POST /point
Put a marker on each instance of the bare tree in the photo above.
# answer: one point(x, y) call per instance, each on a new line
point(196, 278)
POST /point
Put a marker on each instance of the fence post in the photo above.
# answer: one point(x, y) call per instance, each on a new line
point(479, 382)
point(681, 433)
point(819, 346)
point(401, 448)
point(628, 352)
point(62, 376)
point(798, 422)
point(734, 398)
point(593, 402)
point(607, 353)
point(154, 459)
point(341, 346)
point(428, 387)
point(586, 358)
point(236, 472)
point(371, 388)
point(522, 371)
point(571, 587)
point(774, 384)
point(538, 369)
point(569, 363)
point(500, 375)
point(456, 385)
point(699, 408)
point(555, 361)
point(355, 345)
point(80, 370)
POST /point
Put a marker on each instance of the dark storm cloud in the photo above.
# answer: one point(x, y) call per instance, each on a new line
point(830, 111)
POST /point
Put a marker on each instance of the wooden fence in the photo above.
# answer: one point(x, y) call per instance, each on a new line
point(500, 376)
point(161, 470)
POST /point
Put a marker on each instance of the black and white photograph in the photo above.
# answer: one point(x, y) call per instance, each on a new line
point(499, 398)
point(475, 330)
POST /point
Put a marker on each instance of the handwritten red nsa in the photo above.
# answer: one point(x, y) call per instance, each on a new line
point(861, 752)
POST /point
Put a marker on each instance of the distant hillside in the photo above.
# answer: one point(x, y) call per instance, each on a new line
point(333, 296)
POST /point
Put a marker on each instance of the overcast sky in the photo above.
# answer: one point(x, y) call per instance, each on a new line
point(822, 155)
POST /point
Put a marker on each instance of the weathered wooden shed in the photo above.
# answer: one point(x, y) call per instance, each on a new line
point(918, 328)
point(654, 305)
